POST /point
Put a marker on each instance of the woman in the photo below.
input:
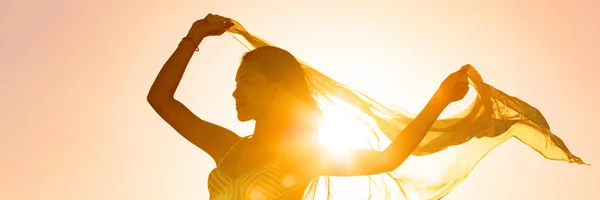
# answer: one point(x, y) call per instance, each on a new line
point(282, 158)
point(272, 90)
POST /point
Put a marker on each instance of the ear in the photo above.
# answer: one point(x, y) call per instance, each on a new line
point(276, 89)
point(277, 93)
point(271, 92)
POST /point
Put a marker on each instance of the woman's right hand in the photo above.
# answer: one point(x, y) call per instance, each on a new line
point(211, 25)
point(454, 87)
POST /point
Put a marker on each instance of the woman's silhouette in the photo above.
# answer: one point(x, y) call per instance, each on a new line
point(282, 156)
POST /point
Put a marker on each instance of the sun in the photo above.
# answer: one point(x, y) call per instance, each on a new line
point(339, 132)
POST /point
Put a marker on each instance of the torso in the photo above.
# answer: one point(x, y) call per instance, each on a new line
point(247, 172)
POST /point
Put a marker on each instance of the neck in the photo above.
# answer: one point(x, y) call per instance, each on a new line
point(270, 130)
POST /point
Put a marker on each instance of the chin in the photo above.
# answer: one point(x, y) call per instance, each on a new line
point(243, 118)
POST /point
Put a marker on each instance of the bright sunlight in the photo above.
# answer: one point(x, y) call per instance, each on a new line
point(341, 132)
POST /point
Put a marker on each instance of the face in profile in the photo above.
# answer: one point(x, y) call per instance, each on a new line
point(253, 93)
point(270, 81)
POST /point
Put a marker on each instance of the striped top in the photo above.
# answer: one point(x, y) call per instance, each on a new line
point(263, 183)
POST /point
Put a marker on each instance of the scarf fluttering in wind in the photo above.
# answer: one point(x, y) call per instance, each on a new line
point(453, 145)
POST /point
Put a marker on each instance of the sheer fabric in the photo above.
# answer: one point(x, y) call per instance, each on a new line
point(451, 149)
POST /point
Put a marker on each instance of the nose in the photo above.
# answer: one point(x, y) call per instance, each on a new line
point(235, 93)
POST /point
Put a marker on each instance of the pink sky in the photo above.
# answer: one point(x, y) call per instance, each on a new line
point(74, 75)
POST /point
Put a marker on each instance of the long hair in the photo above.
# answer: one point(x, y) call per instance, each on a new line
point(453, 145)
point(281, 67)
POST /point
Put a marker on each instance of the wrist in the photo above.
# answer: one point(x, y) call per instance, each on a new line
point(195, 37)
point(188, 41)
point(439, 101)
point(196, 34)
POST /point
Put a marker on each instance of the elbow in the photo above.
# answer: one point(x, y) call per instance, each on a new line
point(393, 161)
point(152, 98)
point(157, 100)
point(154, 102)
point(392, 165)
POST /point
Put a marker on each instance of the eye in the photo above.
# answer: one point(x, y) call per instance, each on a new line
point(243, 83)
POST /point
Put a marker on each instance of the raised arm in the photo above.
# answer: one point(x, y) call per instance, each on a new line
point(367, 162)
point(213, 139)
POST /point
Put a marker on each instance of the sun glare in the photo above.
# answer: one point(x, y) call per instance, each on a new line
point(340, 132)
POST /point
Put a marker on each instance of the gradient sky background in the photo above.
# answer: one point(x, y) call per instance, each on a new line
point(75, 124)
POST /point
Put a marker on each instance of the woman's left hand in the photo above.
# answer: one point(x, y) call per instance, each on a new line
point(454, 87)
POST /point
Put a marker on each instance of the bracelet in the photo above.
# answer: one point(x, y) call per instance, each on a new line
point(192, 41)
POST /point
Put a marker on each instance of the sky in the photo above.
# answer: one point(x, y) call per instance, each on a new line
point(74, 75)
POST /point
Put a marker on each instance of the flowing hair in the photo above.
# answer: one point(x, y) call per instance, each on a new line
point(282, 68)
point(451, 148)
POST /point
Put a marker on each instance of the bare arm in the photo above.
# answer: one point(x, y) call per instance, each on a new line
point(213, 139)
point(367, 162)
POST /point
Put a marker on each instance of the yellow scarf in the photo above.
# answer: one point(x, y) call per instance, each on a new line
point(453, 146)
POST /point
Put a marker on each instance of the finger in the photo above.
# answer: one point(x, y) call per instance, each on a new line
point(229, 22)
point(221, 32)
point(212, 19)
point(464, 79)
point(466, 67)
point(224, 27)
point(461, 88)
point(462, 85)
point(462, 91)
point(221, 19)
point(464, 70)
point(226, 23)
point(460, 73)
point(209, 17)
point(215, 19)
